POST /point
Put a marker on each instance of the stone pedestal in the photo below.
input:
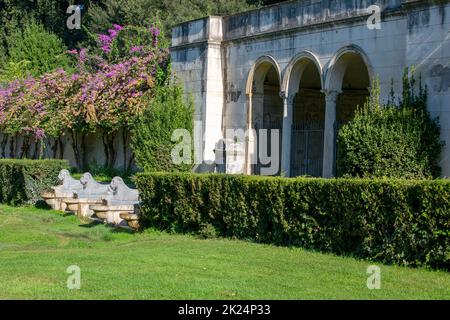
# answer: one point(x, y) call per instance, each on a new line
point(230, 157)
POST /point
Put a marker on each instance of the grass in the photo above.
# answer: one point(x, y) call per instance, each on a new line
point(106, 178)
point(37, 246)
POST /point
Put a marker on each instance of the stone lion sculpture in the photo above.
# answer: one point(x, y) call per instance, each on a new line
point(91, 187)
point(120, 191)
point(67, 183)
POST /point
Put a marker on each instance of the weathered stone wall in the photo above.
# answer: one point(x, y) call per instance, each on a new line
point(413, 32)
point(198, 64)
point(428, 49)
point(94, 150)
point(299, 14)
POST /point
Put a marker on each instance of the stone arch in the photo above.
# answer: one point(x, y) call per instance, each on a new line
point(349, 77)
point(297, 66)
point(305, 116)
point(259, 69)
point(338, 65)
point(347, 83)
point(264, 106)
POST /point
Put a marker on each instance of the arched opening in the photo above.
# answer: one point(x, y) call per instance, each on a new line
point(354, 88)
point(265, 113)
point(347, 87)
point(308, 119)
point(350, 76)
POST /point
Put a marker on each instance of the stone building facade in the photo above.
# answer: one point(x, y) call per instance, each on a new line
point(303, 67)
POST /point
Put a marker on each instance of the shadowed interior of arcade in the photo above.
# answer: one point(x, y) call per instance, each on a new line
point(266, 119)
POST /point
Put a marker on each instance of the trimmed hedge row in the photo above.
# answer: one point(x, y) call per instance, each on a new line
point(22, 181)
point(392, 221)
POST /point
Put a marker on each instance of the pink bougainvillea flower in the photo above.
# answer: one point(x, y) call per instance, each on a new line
point(39, 133)
point(103, 93)
point(136, 49)
point(155, 31)
point(73, 51)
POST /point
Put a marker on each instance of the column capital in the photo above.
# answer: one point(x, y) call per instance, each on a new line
point(285, 96)
point(331, 95)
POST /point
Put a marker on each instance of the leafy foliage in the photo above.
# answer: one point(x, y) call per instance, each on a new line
point(396, 140)
point(22, 181)
point(104, 95)
point(406, 222)
point(97, 16)
point(151, 137)
point(116, 67)
point(15, 15)
point(44, 51)
point(14, 70)
point(135, 12)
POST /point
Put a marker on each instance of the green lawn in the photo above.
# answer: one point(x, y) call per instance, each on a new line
point(106, 177)
point(37, 246)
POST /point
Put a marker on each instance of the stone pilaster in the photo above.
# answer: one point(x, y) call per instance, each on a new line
point(329, 143)
point(288, 114)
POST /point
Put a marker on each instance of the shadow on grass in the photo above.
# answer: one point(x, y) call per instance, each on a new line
point(122, 230)
point(41, 204)
point(67, 214)
point(90, 225)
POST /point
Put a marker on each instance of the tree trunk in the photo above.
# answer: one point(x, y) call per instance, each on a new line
point(125, 139)
point(16, 147)
point(76, 149)
point(26, 144)
point(36, 149)
point(110, 151)
point(54, 147)
point(61, 148)
point(12, 149)
point(4, 143)
point(105, 149)
point(83, 152)
point(78, 145)
point(130, 161)
point(40, 145)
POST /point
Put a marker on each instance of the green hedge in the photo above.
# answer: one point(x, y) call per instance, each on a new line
point(21, 181)
point(392, 221)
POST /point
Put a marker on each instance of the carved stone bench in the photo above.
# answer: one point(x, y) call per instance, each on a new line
point(132, 219)
point(93, 193)
point(97, 201)
point(65, 189)
point(111, 214)
point(122, 200)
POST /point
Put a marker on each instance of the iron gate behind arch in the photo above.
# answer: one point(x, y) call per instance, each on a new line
point(307, 148)
point(270, 127)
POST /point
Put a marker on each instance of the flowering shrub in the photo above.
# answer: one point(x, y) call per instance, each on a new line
point(103, 95)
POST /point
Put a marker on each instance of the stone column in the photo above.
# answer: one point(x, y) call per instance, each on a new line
point(288, 114)
point(255, 120)
point(329, 140)
point(250, 139)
